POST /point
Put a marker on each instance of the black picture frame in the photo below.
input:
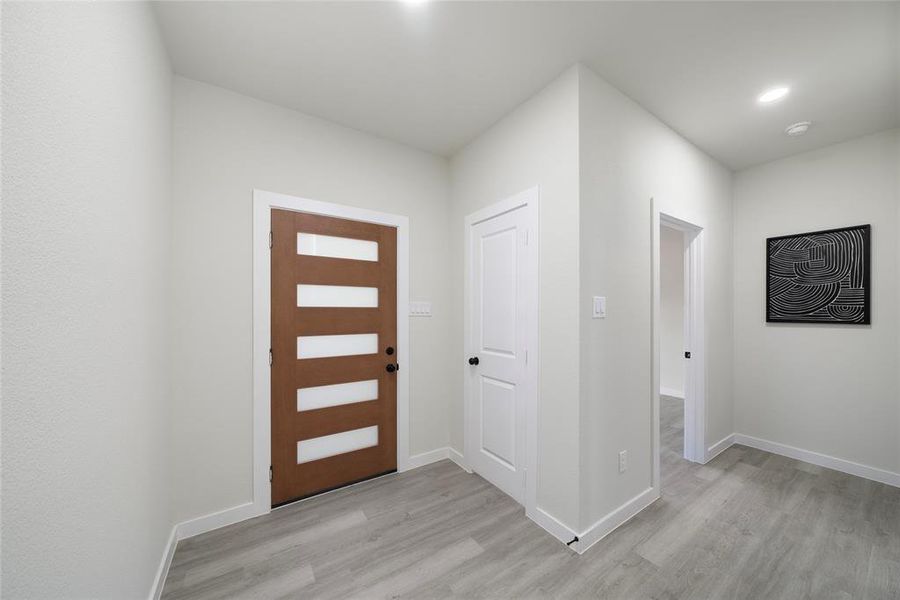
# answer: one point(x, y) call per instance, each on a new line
point(856, 309)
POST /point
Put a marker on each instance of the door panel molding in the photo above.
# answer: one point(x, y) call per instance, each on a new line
point(330, 373)
point(527, 389)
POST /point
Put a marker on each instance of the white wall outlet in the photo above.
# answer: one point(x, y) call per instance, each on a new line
point(419, 308)
point(599, 307)
point(623, 461)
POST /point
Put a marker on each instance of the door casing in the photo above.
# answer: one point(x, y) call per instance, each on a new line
point(527, 200)
point(694, 340)
point(263, 203)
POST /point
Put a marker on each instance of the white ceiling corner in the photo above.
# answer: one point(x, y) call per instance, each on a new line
point(435, 75)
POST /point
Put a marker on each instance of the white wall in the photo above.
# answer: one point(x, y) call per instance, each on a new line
point(226, 145)
point(535, 145)
point(627, 158)
point(824, 388)
point(671, 311)
point(86, 231)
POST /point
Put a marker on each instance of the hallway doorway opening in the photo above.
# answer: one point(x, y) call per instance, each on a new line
point(672, 350)
point(678, 356)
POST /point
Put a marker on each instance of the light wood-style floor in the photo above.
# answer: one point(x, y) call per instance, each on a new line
point(747, 525)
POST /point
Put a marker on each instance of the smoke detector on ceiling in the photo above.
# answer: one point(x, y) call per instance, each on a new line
point(798, 128)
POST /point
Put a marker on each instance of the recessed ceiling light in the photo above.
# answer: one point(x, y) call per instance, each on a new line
point(414, 2)
point(798, 128)
point(773, 95)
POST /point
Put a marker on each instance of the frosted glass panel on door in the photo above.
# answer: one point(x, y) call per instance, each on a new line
point(320, 346)
point(313, 244)
point(337, 296)
point(336, 443)
point(324, 396)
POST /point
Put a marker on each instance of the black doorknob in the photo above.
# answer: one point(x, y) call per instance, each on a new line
point(473, 360)
point(391, 368)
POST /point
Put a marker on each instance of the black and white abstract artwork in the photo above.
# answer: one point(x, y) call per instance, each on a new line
point(819, 277)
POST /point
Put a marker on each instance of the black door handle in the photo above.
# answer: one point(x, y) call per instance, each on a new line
point(473, 360)
point(391, 368)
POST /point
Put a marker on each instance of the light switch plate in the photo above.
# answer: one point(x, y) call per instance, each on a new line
point(599, 307)
point(419, 308)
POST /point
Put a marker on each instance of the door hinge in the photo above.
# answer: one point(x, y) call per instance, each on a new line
point(526, 237)
point(271, 473)
point(271, 359)
point(271, 240)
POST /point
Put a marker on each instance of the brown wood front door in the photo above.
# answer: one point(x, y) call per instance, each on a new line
point(334, 350)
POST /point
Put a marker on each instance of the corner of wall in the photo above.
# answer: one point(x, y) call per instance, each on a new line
point(626, 158)
point(536, 145)
point(846, 183)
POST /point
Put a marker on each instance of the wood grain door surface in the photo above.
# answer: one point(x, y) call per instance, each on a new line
point(334, 342)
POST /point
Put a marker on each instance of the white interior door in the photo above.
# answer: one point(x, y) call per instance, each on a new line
point(497, 349)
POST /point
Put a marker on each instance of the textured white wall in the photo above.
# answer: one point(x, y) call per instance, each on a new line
point(535, 145)
point(112, 302)
point(627, 158)
point(825, 388)
point(226, 145)
point(671, 309)
point(86, 231)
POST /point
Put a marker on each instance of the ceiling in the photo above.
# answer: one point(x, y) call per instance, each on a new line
point(434, 75)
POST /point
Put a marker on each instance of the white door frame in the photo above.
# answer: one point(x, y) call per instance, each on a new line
point(263, 203)
point(694, 339)
point(528, 200)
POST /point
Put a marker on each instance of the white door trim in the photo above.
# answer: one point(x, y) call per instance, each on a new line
point(528, 200)
point(263, 203)
point(694, 340)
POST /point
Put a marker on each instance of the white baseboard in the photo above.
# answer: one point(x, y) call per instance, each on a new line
point(822, 460)
point(719, 447)
point(215, 520)
point(615, 519)
point(164, 564)
point(426, 458)
point(552, 525)
point(671, 392)
point(433, 456)
point(460, 460)
point(598, 530)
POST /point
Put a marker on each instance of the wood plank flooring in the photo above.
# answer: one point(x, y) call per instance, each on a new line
point(748, 525)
